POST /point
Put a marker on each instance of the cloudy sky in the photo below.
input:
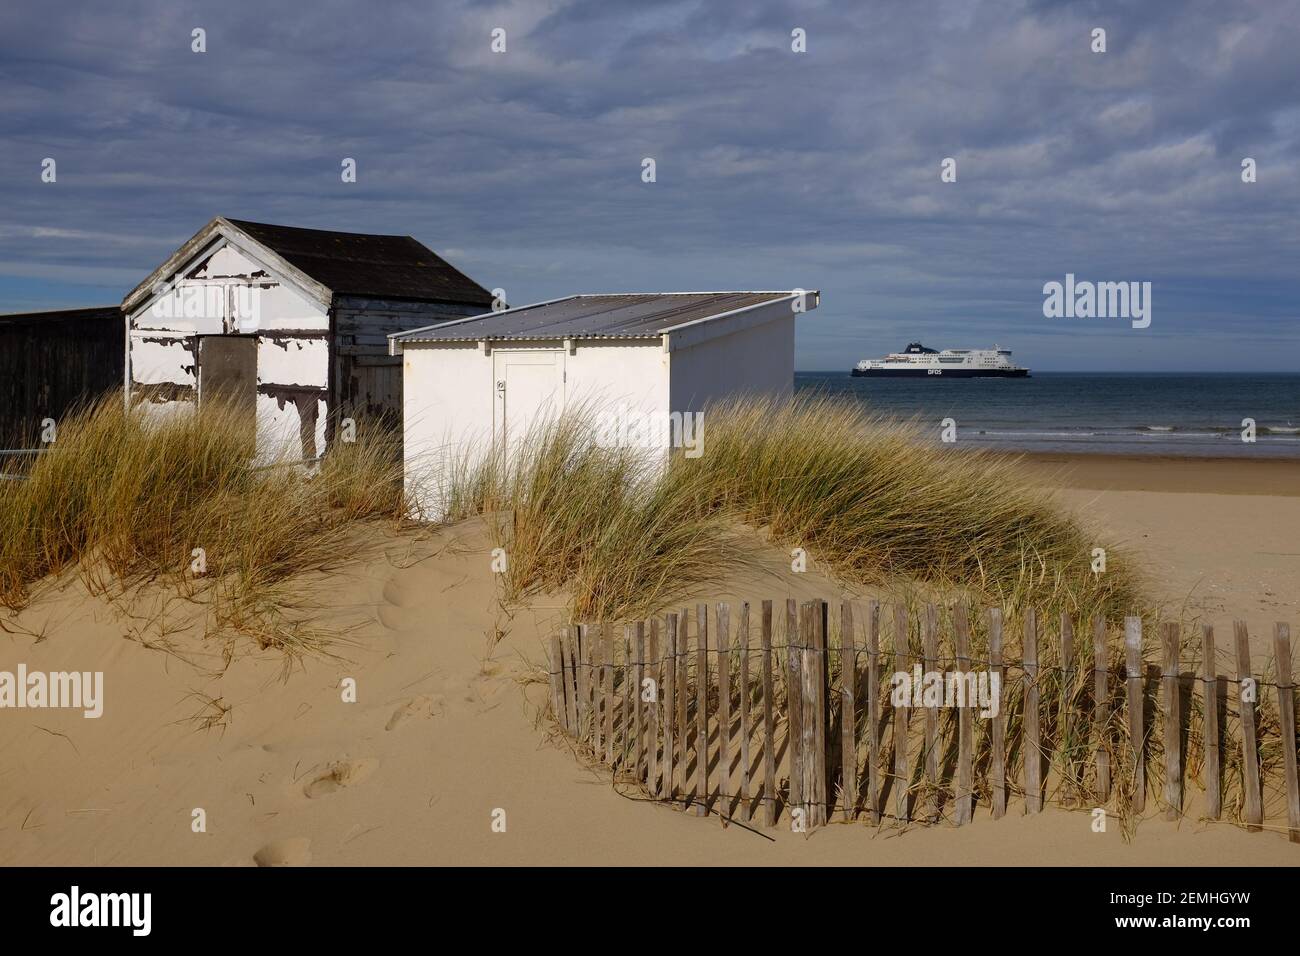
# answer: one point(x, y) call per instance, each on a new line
point(775, 168)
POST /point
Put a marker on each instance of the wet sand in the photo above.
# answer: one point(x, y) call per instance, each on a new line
point(1220, 476)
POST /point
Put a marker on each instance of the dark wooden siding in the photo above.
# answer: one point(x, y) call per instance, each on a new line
point(369, 381)
point(50, 361)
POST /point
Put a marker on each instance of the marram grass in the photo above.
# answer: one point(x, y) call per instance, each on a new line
point(126, 501)
point(573, 515)
point(866, 499)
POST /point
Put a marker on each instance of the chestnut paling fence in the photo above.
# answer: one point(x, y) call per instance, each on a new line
point(802, 721)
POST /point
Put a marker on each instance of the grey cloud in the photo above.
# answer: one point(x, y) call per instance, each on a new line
point(774, 168)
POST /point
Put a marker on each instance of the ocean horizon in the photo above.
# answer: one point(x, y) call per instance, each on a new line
point(1192, 414)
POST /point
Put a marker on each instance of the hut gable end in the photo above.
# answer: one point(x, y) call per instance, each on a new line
point(295, 320)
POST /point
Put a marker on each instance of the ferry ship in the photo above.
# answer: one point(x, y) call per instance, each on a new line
point(917, 361)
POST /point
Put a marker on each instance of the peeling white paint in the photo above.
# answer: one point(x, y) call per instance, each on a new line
point(320, 426)
point(278, 431)
point(228, 261)
point(156, 363)
point(178, 311)
point(292, 361)
point(163, 411)
point(281, 307)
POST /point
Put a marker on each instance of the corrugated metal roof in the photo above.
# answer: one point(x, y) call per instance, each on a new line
point(620, 316)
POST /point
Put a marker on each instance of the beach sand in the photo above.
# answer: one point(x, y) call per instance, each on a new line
point(1220, 536)
point(1211, 476)
point(445, 728)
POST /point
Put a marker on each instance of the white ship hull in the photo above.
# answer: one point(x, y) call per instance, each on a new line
point(916, 361)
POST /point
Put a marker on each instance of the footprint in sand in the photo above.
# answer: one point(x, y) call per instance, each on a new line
point(391, 617)
point(341, 774)
point(396, 610)
point(422, 706)
point(293, 851)
point(395, 594)
point(483, 685)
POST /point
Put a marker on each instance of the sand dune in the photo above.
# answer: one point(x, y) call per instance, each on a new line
point(445, 730)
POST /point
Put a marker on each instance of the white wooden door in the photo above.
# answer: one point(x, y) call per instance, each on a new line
point(529, 388)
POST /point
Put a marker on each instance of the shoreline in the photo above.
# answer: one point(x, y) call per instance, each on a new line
point(1179, 474)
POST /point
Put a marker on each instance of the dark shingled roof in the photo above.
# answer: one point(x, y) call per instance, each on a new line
point(627, 316)
point(105, 312)
point(350, 263)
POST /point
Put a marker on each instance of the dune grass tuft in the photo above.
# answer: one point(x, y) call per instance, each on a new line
point(576, 515)
point(127, 500)
point(873, 502)
point(863, 496)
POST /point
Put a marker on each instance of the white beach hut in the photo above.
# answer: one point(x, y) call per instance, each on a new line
point(644, 360)
point(289, 323)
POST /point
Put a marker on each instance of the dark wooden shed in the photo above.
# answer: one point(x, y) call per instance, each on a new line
point(50, 361)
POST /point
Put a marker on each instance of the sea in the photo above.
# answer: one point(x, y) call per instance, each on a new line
point(1196, 415)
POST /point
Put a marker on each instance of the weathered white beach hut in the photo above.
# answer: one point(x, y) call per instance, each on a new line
point(480, 382)
point(290, 323)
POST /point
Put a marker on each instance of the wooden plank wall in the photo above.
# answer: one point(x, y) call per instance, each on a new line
point(51, 362)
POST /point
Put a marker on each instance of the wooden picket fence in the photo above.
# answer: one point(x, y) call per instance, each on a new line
point(708, 724)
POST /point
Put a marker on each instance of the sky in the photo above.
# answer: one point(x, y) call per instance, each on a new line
point(774, 168)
